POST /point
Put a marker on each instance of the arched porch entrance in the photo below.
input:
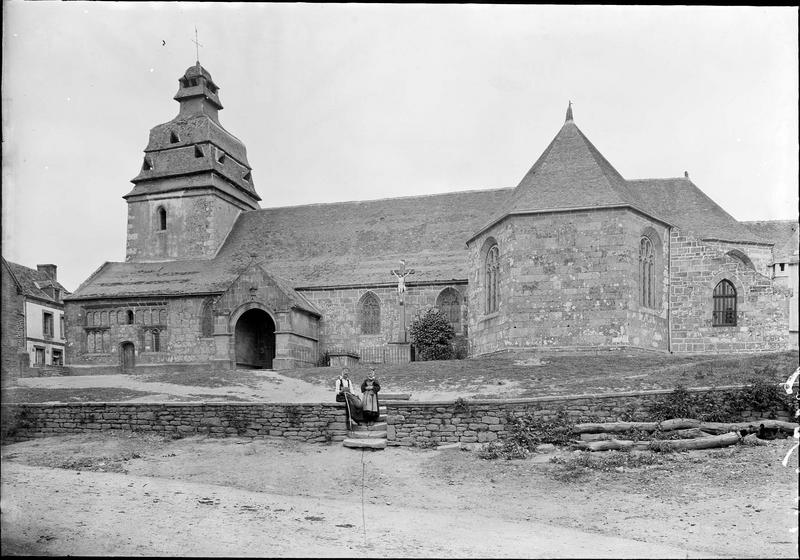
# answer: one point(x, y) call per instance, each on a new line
point(255, 340)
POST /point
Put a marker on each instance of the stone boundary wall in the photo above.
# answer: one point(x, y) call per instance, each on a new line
point(409, 423)
point(317, 423)
point(479, 421)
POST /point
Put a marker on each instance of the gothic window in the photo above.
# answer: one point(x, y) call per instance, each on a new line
point(162, 316)
point(207, 319)
point(156, 341)
point(130, 317)
point(90, 342)
point(370, 314)
point(492, 279)
point(162, 218)
point(449, 304)
point(647, 279)
point(724, 305)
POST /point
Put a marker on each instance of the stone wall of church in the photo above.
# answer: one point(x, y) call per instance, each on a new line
point(96, 330)
point(568, 280)
point(761, 305)
point(340, 326)
point(759, 255)
point(196, 227)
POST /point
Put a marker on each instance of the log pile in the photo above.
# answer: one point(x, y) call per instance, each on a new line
point(693, 433)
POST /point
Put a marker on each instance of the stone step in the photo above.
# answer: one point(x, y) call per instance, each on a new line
point(371, 443)
point(362, 434)
point(377, 426)
point(395, 396)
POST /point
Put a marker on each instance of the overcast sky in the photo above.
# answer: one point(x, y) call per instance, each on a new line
point(354, 102)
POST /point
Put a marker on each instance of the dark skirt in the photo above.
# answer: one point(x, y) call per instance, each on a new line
point(353, 408)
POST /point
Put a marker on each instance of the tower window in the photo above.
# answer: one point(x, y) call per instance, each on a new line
point(147, 165)
point(130, 317)
point(198, 152)
point(173, 137)
point(162, 218)
point(221, 157)
point(247, 177)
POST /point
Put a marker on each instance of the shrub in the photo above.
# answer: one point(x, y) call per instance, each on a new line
point(762, 395)
point(525, 433)
point(432, 334)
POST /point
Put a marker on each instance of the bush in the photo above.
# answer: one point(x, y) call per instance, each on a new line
point(432, 334)
point(525, 433)
point(762, 395)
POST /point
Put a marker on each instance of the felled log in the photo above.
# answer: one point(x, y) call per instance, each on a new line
point(753, 439)
point(678, 424)
point(709, 442)
point(596, 437)
point(608, 427)
point(749, 427)
point(692, 433)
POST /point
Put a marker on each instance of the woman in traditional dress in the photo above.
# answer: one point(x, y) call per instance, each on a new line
point(369, 400)
point(345, 394)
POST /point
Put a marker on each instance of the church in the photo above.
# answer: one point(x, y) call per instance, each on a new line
point(575, 257)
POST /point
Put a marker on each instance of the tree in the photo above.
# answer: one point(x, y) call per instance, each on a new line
point(432, 335)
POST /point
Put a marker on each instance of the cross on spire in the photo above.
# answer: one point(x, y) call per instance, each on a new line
point(569, 111)
point(197, 45)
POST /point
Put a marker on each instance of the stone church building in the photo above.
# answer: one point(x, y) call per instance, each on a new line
point(575, 257)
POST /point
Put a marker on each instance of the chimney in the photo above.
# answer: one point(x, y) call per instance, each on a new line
point(49, 270)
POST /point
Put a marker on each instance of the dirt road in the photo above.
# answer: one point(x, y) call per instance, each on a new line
point(140, 495)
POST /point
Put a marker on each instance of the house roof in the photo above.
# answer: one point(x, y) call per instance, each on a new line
point(784, 233)
point(684, 205)
point(36, 284)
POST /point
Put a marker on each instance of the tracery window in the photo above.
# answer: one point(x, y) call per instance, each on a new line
point(370, 314)
point(207, 319)
point(492, 279)
point(647, 280)
point(449, 303)
point(724, 305)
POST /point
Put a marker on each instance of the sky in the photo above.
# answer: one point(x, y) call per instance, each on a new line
point(356, 102)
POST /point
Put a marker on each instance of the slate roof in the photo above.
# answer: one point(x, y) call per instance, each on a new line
point(173, 278)
point(784, 233)
point(35, 284)
point(684, 205)
point(570, 173)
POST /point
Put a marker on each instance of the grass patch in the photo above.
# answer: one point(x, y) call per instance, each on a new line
point(88, 394)
point(245, 378)
point(532, 374)
point(579, 466)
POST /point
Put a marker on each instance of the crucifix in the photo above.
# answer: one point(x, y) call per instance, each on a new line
point(401, 291)
point(197, 45)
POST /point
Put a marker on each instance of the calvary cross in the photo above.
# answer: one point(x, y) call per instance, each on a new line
point(401, 290)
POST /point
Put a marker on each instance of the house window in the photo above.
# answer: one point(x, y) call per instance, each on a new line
point(724, 305)
point(38, 356)
point(47, 324)
point(647, 260)
point(492, 279)
point(58, 358)
point(162, 218)
point(449, 304)
point(370, 314)
point(63, 325)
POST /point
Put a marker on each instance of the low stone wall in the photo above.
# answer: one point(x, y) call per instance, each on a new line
point(408, 422)
point(479, 421)
point(304, 422)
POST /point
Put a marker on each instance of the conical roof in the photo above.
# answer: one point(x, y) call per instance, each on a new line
point(570, 174)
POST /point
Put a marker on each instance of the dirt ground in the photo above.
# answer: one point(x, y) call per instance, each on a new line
point(134, 494)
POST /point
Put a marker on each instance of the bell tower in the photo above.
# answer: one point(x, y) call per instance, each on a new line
point(194, 180)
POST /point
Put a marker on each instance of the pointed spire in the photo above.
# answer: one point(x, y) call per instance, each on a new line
point(569, 112)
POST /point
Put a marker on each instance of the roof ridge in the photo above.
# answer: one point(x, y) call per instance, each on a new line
point(408, 197)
